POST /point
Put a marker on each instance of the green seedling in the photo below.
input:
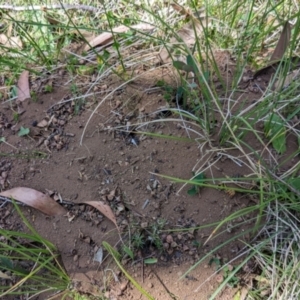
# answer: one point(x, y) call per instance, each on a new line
point(295, 183)
point(23, 131)
point(216, 261)
point(33, 96)
point(228, 273)
point(48, 88)
point(86, 70)
point(198, 179)
point(169, 91)
point(128, 251)
point(16, 117)
point(150, 261)
point(196, 244)
point(275, 131)
point(138, 240)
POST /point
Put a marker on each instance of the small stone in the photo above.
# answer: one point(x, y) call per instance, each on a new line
point(174, 245)
point(87, 240)
point(169, 239)
point(185, 248)
point(144, 225)
point(118, 292)
point(166, 246)
point(123, 286)
point(246, 78)
point(150, 285)
point(110, 197)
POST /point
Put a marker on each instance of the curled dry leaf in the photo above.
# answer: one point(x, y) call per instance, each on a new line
point(35, 199)
point(23, 86)
point(282, 43)
point(278, 53)
point(104, 209)
point(107, 37)
point(43, 123)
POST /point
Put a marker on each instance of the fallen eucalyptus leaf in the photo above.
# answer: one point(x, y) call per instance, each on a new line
point(23, 91)
point(283, 42)
point(35, 199)
point(107, 37)
point(104, 209)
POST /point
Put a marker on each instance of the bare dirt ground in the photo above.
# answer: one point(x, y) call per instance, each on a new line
point(123, 170)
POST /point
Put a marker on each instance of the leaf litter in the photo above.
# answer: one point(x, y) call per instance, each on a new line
point(23, 91)
point(173, 246)
point(35, 199)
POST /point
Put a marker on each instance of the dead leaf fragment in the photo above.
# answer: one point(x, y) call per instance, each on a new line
point(278, 53)
point(11, 42)
point(283, 42)
point(107, 37)
point(104, 209)
point(4, 276)
point(23, 86)
point(43, 123)
point(35, 199)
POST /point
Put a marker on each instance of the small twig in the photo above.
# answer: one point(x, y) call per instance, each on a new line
point(3, 141)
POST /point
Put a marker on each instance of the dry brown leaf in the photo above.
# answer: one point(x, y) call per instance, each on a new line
point(10, 42)
point(278, 53)
point(4, 276)
point(107, 37)
point(23, 86)
point(35, 199)
point(104, 209)
point(283, 43)
point(43, 123)
point(284, 81)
